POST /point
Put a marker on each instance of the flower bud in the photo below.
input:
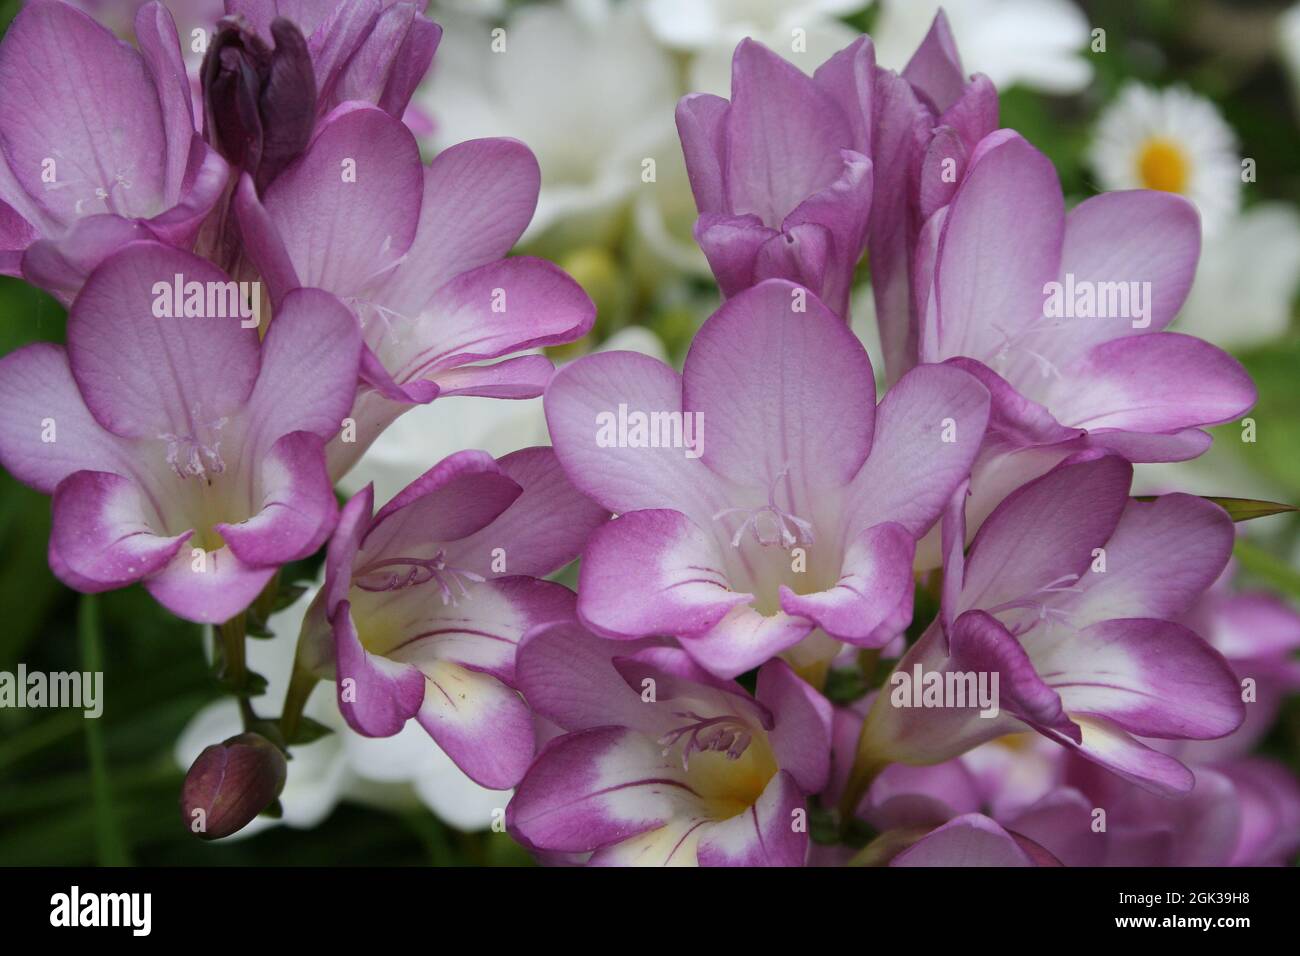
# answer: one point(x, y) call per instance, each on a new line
point(230, 783)
point(259, 103)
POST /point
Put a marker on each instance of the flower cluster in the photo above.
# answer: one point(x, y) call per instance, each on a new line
point(814, 620)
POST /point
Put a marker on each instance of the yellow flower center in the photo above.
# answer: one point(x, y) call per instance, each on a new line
point(1163, 165)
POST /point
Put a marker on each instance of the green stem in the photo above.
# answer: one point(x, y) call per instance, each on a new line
point(295, 699)
point(109, 846)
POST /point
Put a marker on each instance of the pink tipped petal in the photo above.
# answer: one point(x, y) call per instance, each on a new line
point(929, 428)
point(1141, 384)
point(1163, 555)
point(546, 527)
point(506, 306)
point(101, 534)
point(343, 210)
point(481, 724)
point(589, 394)
point(654, 572)
point(308, 371)
point(46, 431)
point(478, 198)
point(75, 92)
point(207, 586)
point(1135, 236)
point(780, 390)
point(1046, 531)
point(568, 676)
point(1118, 752)
point(376, 695)
point(296, 509)
point(1152, 678)
point(594, 788)
point(732, 244)
point(768, 833)
point(354, 521)
point(980, 644)
point(871, 602)
point(1001, 244)
point(801, 736)
point(149, 376)
point(460, 495)
point(743, 639)
point(525, 376)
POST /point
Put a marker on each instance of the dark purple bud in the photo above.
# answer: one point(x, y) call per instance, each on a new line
point(231, 783)
point(259, 103)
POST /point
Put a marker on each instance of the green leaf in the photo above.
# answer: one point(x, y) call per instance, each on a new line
point(1240, 509)
point(308, 731)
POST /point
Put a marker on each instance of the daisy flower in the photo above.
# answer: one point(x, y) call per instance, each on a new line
point(1174, 141)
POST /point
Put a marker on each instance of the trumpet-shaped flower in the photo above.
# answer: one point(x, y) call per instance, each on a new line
point(425, 601)
point(97, 145)
point(1069, 595)
point(663, 764)
point(763, 499)
point(781, 173)
point(180, 450)
point(418, 252)
point(1060, 316)
point(927, 122)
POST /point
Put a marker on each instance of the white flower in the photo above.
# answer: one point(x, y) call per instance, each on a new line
point(582, 83)
point(1171, 140)
point(1247, 278)
point(391, 771)
point(1040, 44)
point(429, 433)
point(701, 24)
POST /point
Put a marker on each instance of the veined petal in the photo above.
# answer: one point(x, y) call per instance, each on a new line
point(801, 735)
point(75, 92)
point(779, 390)
point(376, 695)
point(743, 639)
point(594, 788)
point(764, 835)
point(654, 572)
point(871, 602)
point(594, 390)
point(481, 724)
point(973, 840)
point(295, 505)
point(1163, 555)
point(151, 376)
point(1152, 678)
point(40, 401)
point(1045, 532)
point(101, 536)
point(929, 429)
point(347, 209)
point(478, 199)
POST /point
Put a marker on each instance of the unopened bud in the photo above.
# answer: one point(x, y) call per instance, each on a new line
point(231, 783)
point(259, 103)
